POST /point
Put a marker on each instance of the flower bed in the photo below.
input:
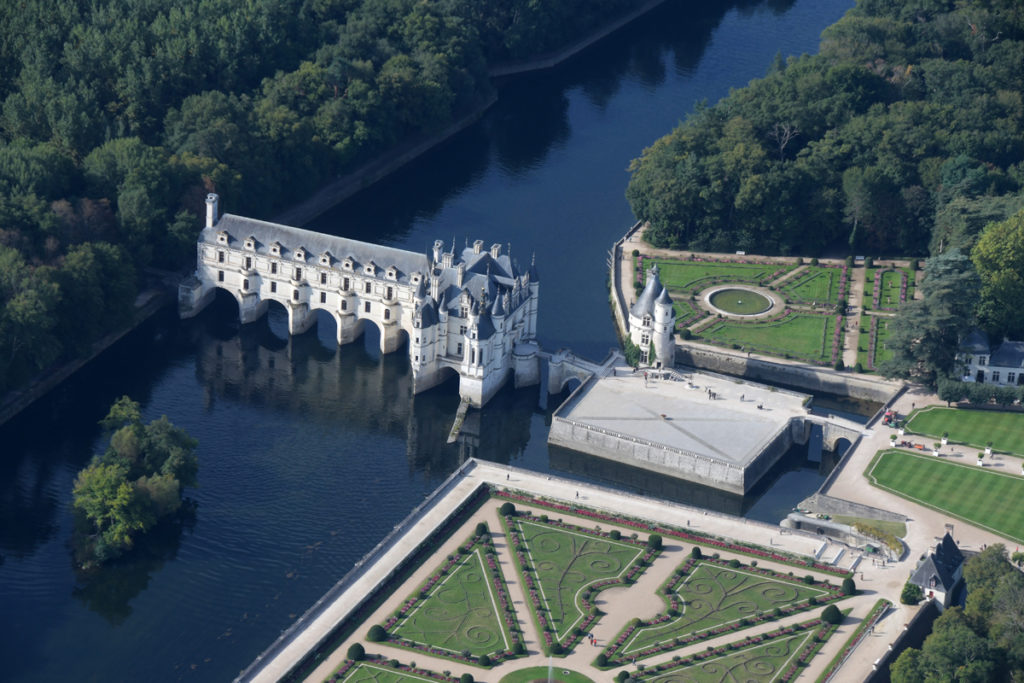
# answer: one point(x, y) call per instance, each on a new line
point(688, 535)
point(348, 665)
point(587, 593)
point(616, 654)
point(823, 632)
point(506, 617)
point(868, 622)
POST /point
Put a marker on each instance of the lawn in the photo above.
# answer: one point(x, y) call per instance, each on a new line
point(979, 496)
point(564, 562)
point(691, 276)
point(888, 282)
point(972, 427)
point(712, 595)
point(540, 673)
point(366, 672)
point(796, 335)
point(897, 529)
point(814, 284)
point(753, 664)
point(461, 613)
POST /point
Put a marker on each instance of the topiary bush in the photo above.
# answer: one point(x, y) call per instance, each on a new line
point(831, 615)
point(621, 676)
point(636, 252)
point(483, 660)
point(466, 678)
point(601, 660)
point(734, 563)
point(356, 652)
point(519, 648)
point(614, 534)
point(654, 541)
point(849, 587)
point(507, 510)
point(912, 594)
point(481, 529)
point(695, 553)
point(808, 579)
point(376, 634)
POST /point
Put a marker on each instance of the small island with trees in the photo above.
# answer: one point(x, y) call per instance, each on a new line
point(135, 484)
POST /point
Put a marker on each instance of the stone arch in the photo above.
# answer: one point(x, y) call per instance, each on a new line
point(218, 288)
point(328, 325)
point(840, 445)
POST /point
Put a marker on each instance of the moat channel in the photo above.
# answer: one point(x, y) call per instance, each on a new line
point(310, 454)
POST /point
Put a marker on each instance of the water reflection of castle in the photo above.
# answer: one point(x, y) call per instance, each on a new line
point(300, 375)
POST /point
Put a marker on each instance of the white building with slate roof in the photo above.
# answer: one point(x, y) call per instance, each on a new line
point(978, 361)
point(940, 572)
point(459, 313)
point(652, 319)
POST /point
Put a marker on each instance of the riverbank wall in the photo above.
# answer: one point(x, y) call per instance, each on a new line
point(153, 301)
point(387, 163)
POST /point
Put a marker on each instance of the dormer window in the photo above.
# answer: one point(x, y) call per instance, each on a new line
point(371, 268)
point(222, 237)
point(325, 258)
point(347, 264)
point(392, 273)
point(250, 243)
point(300, 254)
point(275, 249)
point(647, 320)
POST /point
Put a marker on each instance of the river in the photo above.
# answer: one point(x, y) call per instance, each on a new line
point(309, 454)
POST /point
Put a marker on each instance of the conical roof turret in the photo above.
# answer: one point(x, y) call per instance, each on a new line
point(645, 303)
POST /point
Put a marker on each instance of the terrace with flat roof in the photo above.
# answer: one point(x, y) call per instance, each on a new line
point(714, 430)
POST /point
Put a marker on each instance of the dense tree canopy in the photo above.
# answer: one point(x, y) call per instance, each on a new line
point(138, 481)
point(906, 130)
point(999, 259)
point(984, 642)
point(923, 338)
point(117, 116)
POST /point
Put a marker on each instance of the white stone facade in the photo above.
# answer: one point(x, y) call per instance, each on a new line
point(459, 313)
point(978, 361)
point(652, 319)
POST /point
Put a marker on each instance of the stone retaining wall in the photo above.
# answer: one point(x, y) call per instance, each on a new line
point(801, 376)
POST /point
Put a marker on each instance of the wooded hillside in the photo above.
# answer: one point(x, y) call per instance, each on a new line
point(903, 136)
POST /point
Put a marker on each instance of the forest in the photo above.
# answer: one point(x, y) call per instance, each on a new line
point(903, 136)
point(118, 116)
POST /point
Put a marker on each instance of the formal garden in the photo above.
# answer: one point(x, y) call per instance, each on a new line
point(706, 597)
point(802, 324)
point(978, 495)
point(563, 556)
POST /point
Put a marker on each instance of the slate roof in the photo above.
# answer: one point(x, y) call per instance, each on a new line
point(938, 569)
point(664, 298)
point(975, 342)
point(1009, 354)
point(240, 228)
point(645, 302)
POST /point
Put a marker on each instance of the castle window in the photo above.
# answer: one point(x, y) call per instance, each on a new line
point(387, 314)
point(245, 285)
point(982, 359)
point(417, 340)
point(1011, 378)
point(323, 278)
point(273, 287)
point(344, 305)
point(298, 273)
point(366, 307)
point(647, 320)
point(344, 284)
point(645, 339)
point(462, 329)
point(368, 288)
point(273, 268)
point(220, 276)
point(458, 349)
point(220, 257)
point(391, 292)
point(248, 262)
point(323, 297)
point(481, 356)
point(295, 295)
point(995, 376)
point(463, 312)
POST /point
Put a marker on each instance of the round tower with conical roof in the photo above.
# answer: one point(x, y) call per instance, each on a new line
point(652, 322)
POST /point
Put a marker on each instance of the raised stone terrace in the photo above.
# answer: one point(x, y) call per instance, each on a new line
point(714, 430)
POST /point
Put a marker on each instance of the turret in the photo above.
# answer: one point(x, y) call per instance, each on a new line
point(664, 329)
